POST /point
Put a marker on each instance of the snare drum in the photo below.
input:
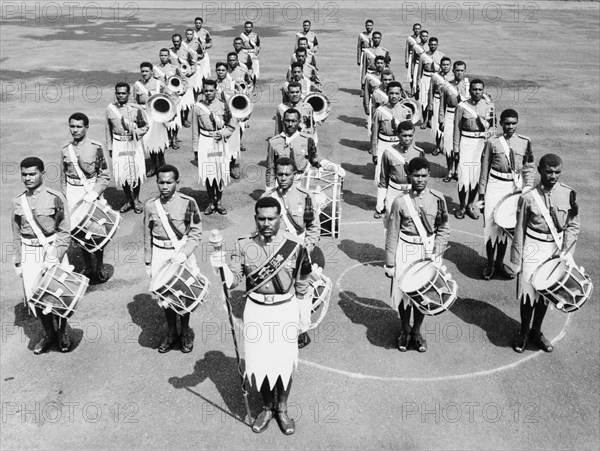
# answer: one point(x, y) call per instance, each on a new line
point(59, 290)
point(93, 224)
point(326, 187)
point(565, 285)
point(180, 286)
point(505, 213)
point(320, 287)
point(431, 288)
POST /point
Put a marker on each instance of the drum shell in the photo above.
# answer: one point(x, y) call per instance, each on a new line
point(97, 226)
point(326, 188)
point(61, 289)
point(181, 286)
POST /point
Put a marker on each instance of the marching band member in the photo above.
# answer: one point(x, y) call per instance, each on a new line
point(365, 41)
point(310, 36)
point(182, 57)
point(506, 166)
point(547, 224)
point(409, 57)
point(370, 54)
point(163, 71)
point(433, 104)
point(194, 48)
point(418, 229)
point(212, 125)
point(473, 124)
point(84, 176)
point(307, 121)
point(308, 69)
point(385, 120)
point(244, 57)
point(371, 81)
point(226, 87)
point(172, 230)
point(299, 219)
point(156, 140)
point(275, 282)
point(225, 83)
point(297, 75)
point(379, 96)
point(310, 56)
point(237, 71)
point(41, 237)
point(298, 146)
point(451, 94)
point(126, 124)
point(203, 36)
point(416, 79)
point(428, 65)
point(393, 178)
point(251, 43)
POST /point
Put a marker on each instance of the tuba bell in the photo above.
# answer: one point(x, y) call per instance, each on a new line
point(161, 108)
point(184, 68)
point(415, 108)
point(240, 105)
point(320, 104)
point(176, 85)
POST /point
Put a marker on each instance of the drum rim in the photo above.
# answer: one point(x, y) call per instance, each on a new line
point(499, 204)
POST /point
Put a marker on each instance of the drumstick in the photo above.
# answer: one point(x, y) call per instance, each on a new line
point(558, 252)
point(216, 239)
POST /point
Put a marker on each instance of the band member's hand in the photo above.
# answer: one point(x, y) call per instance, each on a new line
point(19, 271)
point(90, 197)
point(389, 271)
point(406, 64)
point(480, 204)
point(218, 259)
point(527, 189)
point(218, 136)
point(149, 270)
point(180, 257)
point(333, 167)
point(568, 257)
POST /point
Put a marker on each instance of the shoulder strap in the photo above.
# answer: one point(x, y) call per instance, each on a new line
point(469, 108)
point(43, 239)
point(142, 88)
point(386, 113)
point(204, 108)
point(558, 237)
point(507, 151)
point(162, 214)
point(75, 161)
point(276, 263)
point(412, 211)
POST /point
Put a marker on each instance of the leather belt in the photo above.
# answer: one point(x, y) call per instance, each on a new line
point(117, 137)
point(547, 237)
point(414, 239)
point(437, 96)
point(35, 242)
point(469, 134)
point(450, 109)
point(507, 176)
point(388, 138)
point(208, 133)
point(78, 182)
point(399, 186)
point(163, 244)
point(270, 299)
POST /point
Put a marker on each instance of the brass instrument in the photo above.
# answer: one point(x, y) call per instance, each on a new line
point(240, 105)
point(161, 108)
point(320, 104)
point(176, 85)
point(414, 106)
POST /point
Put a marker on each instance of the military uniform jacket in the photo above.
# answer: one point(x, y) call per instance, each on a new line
point(51, 214)
point(239, 73)
point(300, 147)
point(311, 37)
point(194, 48)
point(307, 121)
point(142, 91)
point(253, 252)
point(431, 206)
point(183, 55)
point(163, 72)
point(364, 42)
point(220, 118)
point(225, 88)
point(408, 49)
point(494, 157)
point(374, 52)
point(386, 120)
point(435, 88)
point(184, 216)
point(244, 59)
point(430, 67)
point(310, 59)
point(451, 97)
point(562, 203)
point(378, 98)
point(293, 204)
point(394, 164)
point(464, 120)
point(203, 37)
point(132, 123)
point(90, 158)
point(251, 41)
point(308, 70)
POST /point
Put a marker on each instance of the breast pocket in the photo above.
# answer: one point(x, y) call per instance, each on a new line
point(46, 217)
point(562, 214)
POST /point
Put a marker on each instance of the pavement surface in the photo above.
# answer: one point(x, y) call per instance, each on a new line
point(353, 389)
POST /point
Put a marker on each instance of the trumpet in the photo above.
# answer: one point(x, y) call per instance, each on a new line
point(415, 108)
point(320, 104)
point(161, 108)
point(240, 105)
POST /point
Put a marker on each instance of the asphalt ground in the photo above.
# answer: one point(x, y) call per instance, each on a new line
point(353, 389)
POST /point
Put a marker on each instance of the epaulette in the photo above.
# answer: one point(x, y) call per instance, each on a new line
point(66, 145)
point(565, 186)
point(19, 195)
point(303, 190)
point(96, 143)
point(437, 194)
point(152, 199)
point(248, 237)
point(269, 191)
point(54, 192)
point(527, 138)
point(419, 149)
point(306, 135)
point(185, 196)
point(273, 138)
point(384, 49)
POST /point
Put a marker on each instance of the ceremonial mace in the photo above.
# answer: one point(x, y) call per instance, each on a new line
point(216, 239)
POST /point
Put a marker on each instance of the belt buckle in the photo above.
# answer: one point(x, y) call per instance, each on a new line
point(269, 298)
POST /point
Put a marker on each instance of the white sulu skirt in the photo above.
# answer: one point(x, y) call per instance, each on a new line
point(535, 253)
point(469, 165)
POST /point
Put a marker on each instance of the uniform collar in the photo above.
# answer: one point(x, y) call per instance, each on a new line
point(290, 138)
point(38, 190)
point(83, 141)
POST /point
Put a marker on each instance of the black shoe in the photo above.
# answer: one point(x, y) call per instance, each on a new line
point(102, 275)
point(209, 210)
point(43, 345)
point(126, 207)
point(520, 342)
point(187, 343)
point(472, 213)
point(488, 272)
point(541, 342)
point(379, 214)
point(420, 343)
point(286, 424)
point(235, 172)
point(435, 152)
point(151, 172)
point(459, 213)
point(505, 271)
point(221, 209)
point(261, 423)
point(303, 340)
point(447, 179)
point(403, 341)
point(64, 343)
point(167, 344)
point(242, 148)
point(175, 145)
